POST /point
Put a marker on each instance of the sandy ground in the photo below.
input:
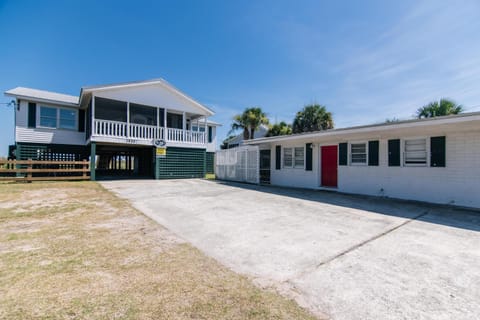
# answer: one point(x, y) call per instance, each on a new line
point(343, 256)
point(73, 250)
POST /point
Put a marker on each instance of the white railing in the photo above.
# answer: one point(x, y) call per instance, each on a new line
point(106, 128)
point(185, 136)
point(141, 131)
point(116, 129)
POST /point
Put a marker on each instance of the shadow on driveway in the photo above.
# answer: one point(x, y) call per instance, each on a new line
point(463, 218)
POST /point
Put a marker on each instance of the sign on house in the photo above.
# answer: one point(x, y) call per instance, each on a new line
point(161, 152)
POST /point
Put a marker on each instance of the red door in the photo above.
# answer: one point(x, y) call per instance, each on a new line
point(329, 166)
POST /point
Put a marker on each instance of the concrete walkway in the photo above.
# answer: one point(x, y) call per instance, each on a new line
point(344, 257)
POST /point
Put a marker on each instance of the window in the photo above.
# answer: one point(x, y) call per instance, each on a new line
point(67, 119)
point(299, 158)
point(287, 157)
point(51, 117)
point(141, 114)
point(108, 109)
point(174, 120)
point(48, 117)
point(294, 157)
point(415, 152)
point(195, 128)
point(358, 153)
point(210, 134)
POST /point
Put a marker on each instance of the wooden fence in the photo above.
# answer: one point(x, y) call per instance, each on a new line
point(37, 170)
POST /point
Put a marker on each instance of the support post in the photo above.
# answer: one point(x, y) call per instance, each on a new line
point(165, 131)
point(94, 129)
point(205, 131)
point(157, 134)
point(29, 170)
point(93, 152)
point(128, 119)
point(205, 163)
point(184, 126)
point(85, 169)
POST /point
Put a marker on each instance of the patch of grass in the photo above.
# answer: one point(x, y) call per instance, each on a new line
point(210, 176)
point(74, 250)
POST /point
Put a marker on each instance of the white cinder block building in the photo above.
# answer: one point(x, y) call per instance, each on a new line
point(435, 160)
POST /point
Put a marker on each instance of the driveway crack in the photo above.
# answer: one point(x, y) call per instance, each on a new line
point(357, 246)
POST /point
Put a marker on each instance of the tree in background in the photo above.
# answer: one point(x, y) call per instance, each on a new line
point(443, 108)
point(249, 121)
point(280, 129)
point(313, 117)
point(390, 120)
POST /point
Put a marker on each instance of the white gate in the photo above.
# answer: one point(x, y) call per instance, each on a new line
point(238, 164)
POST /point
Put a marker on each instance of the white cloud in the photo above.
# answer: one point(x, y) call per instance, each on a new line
point(431, 53)
point(428, 52)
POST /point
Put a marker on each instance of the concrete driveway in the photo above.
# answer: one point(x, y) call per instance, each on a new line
point(343, 257)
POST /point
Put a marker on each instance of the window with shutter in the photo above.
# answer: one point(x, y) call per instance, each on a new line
point(32, 115)
point(373, 153)
point(358, 153)
point(278, 157)
point(308, 157)
point(287, 157)
point(394, 153)
point(343, 154)
point(299, 153)
point(437, 149)
point(415, 153)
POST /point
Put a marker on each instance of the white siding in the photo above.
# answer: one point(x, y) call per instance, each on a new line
point(21, 114)
point(56, 136)
point(212, 146)
point(152, 95)
point(294, 177)
point(458, 183)
point(43, 135)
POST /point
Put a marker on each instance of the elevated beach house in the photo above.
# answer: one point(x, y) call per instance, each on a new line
point(145, 129)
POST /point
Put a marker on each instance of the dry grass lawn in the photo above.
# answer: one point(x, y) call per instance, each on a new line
point(75, 251)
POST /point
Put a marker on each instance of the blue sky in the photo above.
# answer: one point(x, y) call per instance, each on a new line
point(365, 60)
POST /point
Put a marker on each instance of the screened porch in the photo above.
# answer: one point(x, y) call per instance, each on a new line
point(120, 121)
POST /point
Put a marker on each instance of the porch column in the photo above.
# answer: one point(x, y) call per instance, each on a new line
point(93, 152)
point(128, 119)
point(165, 132)
point(184, 126)
point(94, 130)
point(157, 135)
point(205, 132)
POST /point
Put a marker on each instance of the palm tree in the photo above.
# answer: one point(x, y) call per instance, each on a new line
point(443, 108)
point(249, 121)
point(240, 121)
point(279, 129)
point(313, 117)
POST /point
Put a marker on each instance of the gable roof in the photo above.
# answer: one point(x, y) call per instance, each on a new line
point(212, 123)
point(87, 90)
point(43, 96)
point(406, 124)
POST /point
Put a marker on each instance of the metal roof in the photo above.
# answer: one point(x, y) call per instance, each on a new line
point(210, 122)
point(161, 81)
point(35, 94)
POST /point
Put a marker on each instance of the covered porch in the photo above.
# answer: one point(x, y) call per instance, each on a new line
point(116, 121)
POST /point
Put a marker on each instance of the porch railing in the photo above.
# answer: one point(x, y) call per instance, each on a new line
point(117, 129)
